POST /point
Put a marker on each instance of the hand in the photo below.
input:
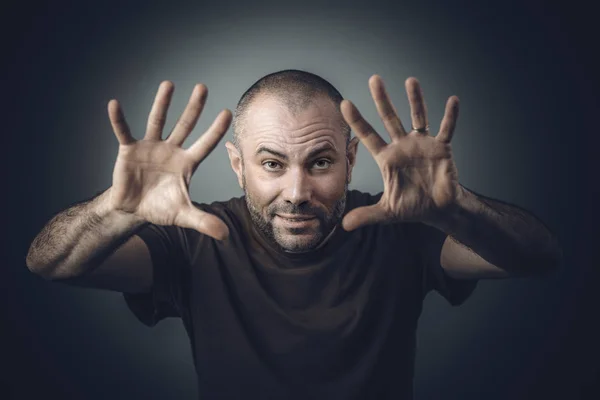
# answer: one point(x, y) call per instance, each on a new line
point(151, 177)
point(419, 175)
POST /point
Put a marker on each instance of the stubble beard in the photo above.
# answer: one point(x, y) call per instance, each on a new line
point(281, 240)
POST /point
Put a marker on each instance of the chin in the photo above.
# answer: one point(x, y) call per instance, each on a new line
point(297, 242)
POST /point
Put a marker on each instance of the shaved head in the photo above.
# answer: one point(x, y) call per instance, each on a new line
point(293, 158)
point(295, 90)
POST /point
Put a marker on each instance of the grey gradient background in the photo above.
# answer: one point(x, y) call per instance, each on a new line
point(525, 75)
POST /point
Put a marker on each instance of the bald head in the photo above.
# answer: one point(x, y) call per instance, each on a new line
point(294, 90)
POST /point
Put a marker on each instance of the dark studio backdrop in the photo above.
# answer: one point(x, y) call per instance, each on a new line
point(526, 77)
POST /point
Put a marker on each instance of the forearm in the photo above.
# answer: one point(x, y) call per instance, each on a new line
point(505, 235)
point(80, 237)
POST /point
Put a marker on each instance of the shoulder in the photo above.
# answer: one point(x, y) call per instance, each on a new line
point(414, 231)
point(356, 198)
point(233, 211)
point(221, 206)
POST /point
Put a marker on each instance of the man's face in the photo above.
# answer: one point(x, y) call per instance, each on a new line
point(295, 170)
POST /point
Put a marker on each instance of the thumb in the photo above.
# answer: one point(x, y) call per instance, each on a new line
point(363, 216)
point(203, 222)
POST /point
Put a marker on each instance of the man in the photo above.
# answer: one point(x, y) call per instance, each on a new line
point(301, 288)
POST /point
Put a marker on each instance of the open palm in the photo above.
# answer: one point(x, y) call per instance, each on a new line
point(151, 177)
point(419, 175)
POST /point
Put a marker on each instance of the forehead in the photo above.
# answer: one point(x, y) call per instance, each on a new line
point(291, 123)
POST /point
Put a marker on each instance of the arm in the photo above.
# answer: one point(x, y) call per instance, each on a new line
point(491, 239)
point(421, 184)
point(91, 244)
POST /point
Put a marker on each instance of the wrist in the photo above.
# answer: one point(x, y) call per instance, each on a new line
point(104, 208)
point(450, 218)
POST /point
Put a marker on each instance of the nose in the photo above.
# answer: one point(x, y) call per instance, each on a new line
point(297, 187)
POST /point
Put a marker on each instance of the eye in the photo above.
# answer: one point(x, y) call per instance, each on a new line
point(323, 163)
point(270, 164)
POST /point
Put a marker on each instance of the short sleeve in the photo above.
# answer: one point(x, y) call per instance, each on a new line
point(169, 251)
point(428, 242)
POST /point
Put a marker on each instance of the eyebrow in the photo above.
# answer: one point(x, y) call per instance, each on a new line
point(314, 152)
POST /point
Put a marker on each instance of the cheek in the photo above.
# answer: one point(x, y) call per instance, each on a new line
point(331, 186)
point(262, 190)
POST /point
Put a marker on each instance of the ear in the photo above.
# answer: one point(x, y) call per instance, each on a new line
point(352, 148)
point(235, 159)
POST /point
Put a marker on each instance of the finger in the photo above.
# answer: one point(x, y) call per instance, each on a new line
point(207, 142)
point(363, 216)
point(119, 125)
point(449, 120)
point(418, 111)
point(202, 222)
point(365, 132)
point(188, 119)
point(158, 113)
point(385, 108)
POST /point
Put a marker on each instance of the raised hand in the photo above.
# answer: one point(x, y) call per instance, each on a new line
point(151, 176)
point(419, 175)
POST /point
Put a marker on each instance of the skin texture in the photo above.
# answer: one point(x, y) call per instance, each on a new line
point(486, 238)
point(419, 175)
point(294, 182)
point(151, 177)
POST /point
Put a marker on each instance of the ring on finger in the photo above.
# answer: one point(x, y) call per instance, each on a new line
point(420, 130)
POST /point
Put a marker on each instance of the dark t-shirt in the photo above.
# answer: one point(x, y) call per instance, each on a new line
point(335, 323)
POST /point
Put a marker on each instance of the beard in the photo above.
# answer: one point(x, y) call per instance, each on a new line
point(289, 239)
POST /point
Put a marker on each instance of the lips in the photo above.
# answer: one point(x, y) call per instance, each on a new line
point(296, 217)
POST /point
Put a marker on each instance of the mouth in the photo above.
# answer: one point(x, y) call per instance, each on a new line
point(297, 221)
point(296, 217)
